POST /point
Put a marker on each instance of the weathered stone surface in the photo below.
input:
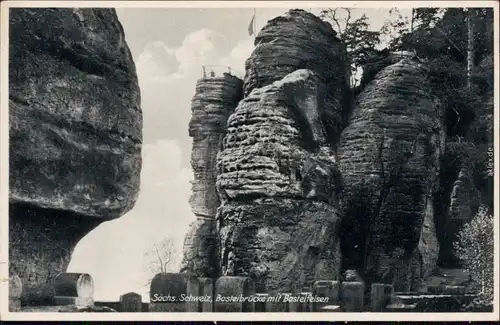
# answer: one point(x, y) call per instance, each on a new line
point(230, 289)
point(165, 292)
point(389, 160)
point(305, 303)
point(74, 285)
point(207, 290)
point(15, 291)
point(80, 302)
point(278, 183)
point(15, 286)
point(280, 243)
point(131, 302)
point(380, 296)
point(329, 289)
point(464, 197)
point(40, 246)
point(74, 112)
point(270, 136)
point(215, 99)
point(75, 136)
point(213, 102)
point(300, 40)
point(352, 296)
point(276, 303)
point(428, 245)
point(261, 302)
point(194, 291)
point(200, 249)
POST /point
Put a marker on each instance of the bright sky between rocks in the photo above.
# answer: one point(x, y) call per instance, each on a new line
point(169, 47)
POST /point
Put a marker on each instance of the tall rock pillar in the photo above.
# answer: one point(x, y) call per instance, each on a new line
point(278, 181)
point(389, 158)
point(213, 102)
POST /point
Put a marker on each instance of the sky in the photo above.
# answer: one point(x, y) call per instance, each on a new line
point(169, 46)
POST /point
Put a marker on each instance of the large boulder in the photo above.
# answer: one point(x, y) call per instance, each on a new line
point(389, 159)
point(301, 40)
point(75, 136)
point(278, 181)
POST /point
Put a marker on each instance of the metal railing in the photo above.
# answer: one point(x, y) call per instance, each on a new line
point(215, 71)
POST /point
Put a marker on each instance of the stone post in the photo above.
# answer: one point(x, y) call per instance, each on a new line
point(380, 296)
point(353, 294)
point(15, 291)
point(73, 289)
point(131, 302)
point(229, 289)
point(166, 291)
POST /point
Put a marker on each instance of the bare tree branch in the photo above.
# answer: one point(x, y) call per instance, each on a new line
point(159, 257)
point(347, 20)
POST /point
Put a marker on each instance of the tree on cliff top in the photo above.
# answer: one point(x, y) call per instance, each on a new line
point(359, 40)
point(475, 249)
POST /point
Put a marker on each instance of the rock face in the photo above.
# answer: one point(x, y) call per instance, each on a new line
point(308, 187)
point(277, 181)
point(75, 136)
point(300, 40)
point(467, 167)
point(389, 160)
point(214, 100)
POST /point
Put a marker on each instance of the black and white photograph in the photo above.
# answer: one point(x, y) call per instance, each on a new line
point(249, 159)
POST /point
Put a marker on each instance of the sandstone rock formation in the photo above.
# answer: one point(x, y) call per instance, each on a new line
point(389, 159)
point(300, 40)
point(214, 100)
point(277, 181)
point(467, 164)
point(75, 136)
point(302, 170)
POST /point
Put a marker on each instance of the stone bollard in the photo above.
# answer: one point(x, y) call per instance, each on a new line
point(327, 289)
point(131, 303)
point(300, 302)
point(352, 296)
point(234, 294)
point(276, 303)
point(167, 291)
point(260, 302)
point(15, 291)
point(194, 294)
point(380, 296)
point(294, 303)
point(73, 289)
point(207, 289)
point(303, 303)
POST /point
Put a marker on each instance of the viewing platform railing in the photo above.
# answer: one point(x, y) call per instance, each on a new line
point(217, 71)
